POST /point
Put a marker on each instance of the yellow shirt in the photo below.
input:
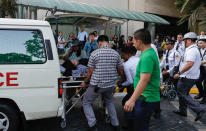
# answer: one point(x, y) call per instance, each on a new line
point(163, 45)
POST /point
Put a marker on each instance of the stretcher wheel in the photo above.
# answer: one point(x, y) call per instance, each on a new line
point(107, 119)
point(171, 95)
point(63, 124)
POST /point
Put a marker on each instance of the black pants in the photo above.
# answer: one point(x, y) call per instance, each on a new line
point(166, 77)
point(158, 109)
point(82, 43)
point(201, 83)
point(185, 100)
point(60, 51)
point(140, 117)
point(130, 90)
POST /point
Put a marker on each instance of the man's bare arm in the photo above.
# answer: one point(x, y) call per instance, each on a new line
point(89, 74)
point(187, 67)
point(66, 56)
point(144, 80)
point(121, 73)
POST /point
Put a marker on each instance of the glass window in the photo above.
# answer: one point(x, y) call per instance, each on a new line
point(22, 47)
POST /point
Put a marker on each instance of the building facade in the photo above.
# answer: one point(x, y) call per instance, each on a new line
point(164, 8)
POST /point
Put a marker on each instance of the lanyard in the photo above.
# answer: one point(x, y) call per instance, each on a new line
point(202, 55)
point(167, 61)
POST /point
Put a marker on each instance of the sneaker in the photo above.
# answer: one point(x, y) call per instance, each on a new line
point(180, 113)
point(157, 115)
point(93, 128)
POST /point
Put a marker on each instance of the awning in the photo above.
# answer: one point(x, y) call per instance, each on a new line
point(76, 7)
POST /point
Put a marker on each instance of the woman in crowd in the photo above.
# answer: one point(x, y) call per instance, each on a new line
point(130, 41)
point(114, 42)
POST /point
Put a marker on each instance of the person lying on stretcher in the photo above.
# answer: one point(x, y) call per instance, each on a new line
point(75, 61)
point(74, 68)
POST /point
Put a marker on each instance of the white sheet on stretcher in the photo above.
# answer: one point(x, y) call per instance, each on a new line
point(62, 69)
point(80, 71)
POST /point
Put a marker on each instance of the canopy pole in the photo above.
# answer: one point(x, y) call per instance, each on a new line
point(127, 30)
point(57, 30)
point(53, 11)
point(35, 13)
point(20, 11)
point(151, 28)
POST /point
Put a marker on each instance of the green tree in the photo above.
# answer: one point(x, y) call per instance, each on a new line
point(7, 7)
point(193, 12)
point(35, 46)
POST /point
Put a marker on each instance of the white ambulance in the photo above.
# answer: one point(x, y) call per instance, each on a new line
point(29, 73)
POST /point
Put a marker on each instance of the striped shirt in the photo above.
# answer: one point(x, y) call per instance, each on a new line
point(105, 62)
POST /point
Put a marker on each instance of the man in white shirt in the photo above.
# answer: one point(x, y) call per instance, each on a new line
point(188, 74)
point(82, 36)
point(130, 65)
point(201, 83)
point(61, 43)
point(180, 45)
point(170, 59)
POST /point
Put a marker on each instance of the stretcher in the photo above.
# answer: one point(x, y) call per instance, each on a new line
point(74, 82)
point(68, 83)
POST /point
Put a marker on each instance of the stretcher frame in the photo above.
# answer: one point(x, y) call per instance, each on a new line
point(65, 100)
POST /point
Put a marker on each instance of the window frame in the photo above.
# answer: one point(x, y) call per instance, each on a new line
point(23, 29)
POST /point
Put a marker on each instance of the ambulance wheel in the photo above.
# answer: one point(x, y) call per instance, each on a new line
point(63, 124)
point(171, 95)
point(9, 118)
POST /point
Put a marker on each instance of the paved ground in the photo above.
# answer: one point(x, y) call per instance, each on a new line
point(168, 121)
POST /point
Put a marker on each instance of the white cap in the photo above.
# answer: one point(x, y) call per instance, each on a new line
point(202, 39)
point(190, 35)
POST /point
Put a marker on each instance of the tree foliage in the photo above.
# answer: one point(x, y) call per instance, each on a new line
point(35, 46)
point(193, 11)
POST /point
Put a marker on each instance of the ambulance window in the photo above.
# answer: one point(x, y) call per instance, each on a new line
point(21, 47)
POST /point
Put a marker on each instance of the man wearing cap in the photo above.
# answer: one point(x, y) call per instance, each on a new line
point(201, 83)
point(170, 59)
point(188, 74)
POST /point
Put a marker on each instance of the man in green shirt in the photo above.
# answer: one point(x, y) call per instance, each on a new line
point(146, 96)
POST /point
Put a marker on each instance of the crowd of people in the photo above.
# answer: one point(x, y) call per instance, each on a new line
point(141, 69)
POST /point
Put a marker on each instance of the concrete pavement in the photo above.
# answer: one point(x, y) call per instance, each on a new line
point(168, 121)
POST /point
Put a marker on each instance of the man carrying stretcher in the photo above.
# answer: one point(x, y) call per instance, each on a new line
point(103, 68)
